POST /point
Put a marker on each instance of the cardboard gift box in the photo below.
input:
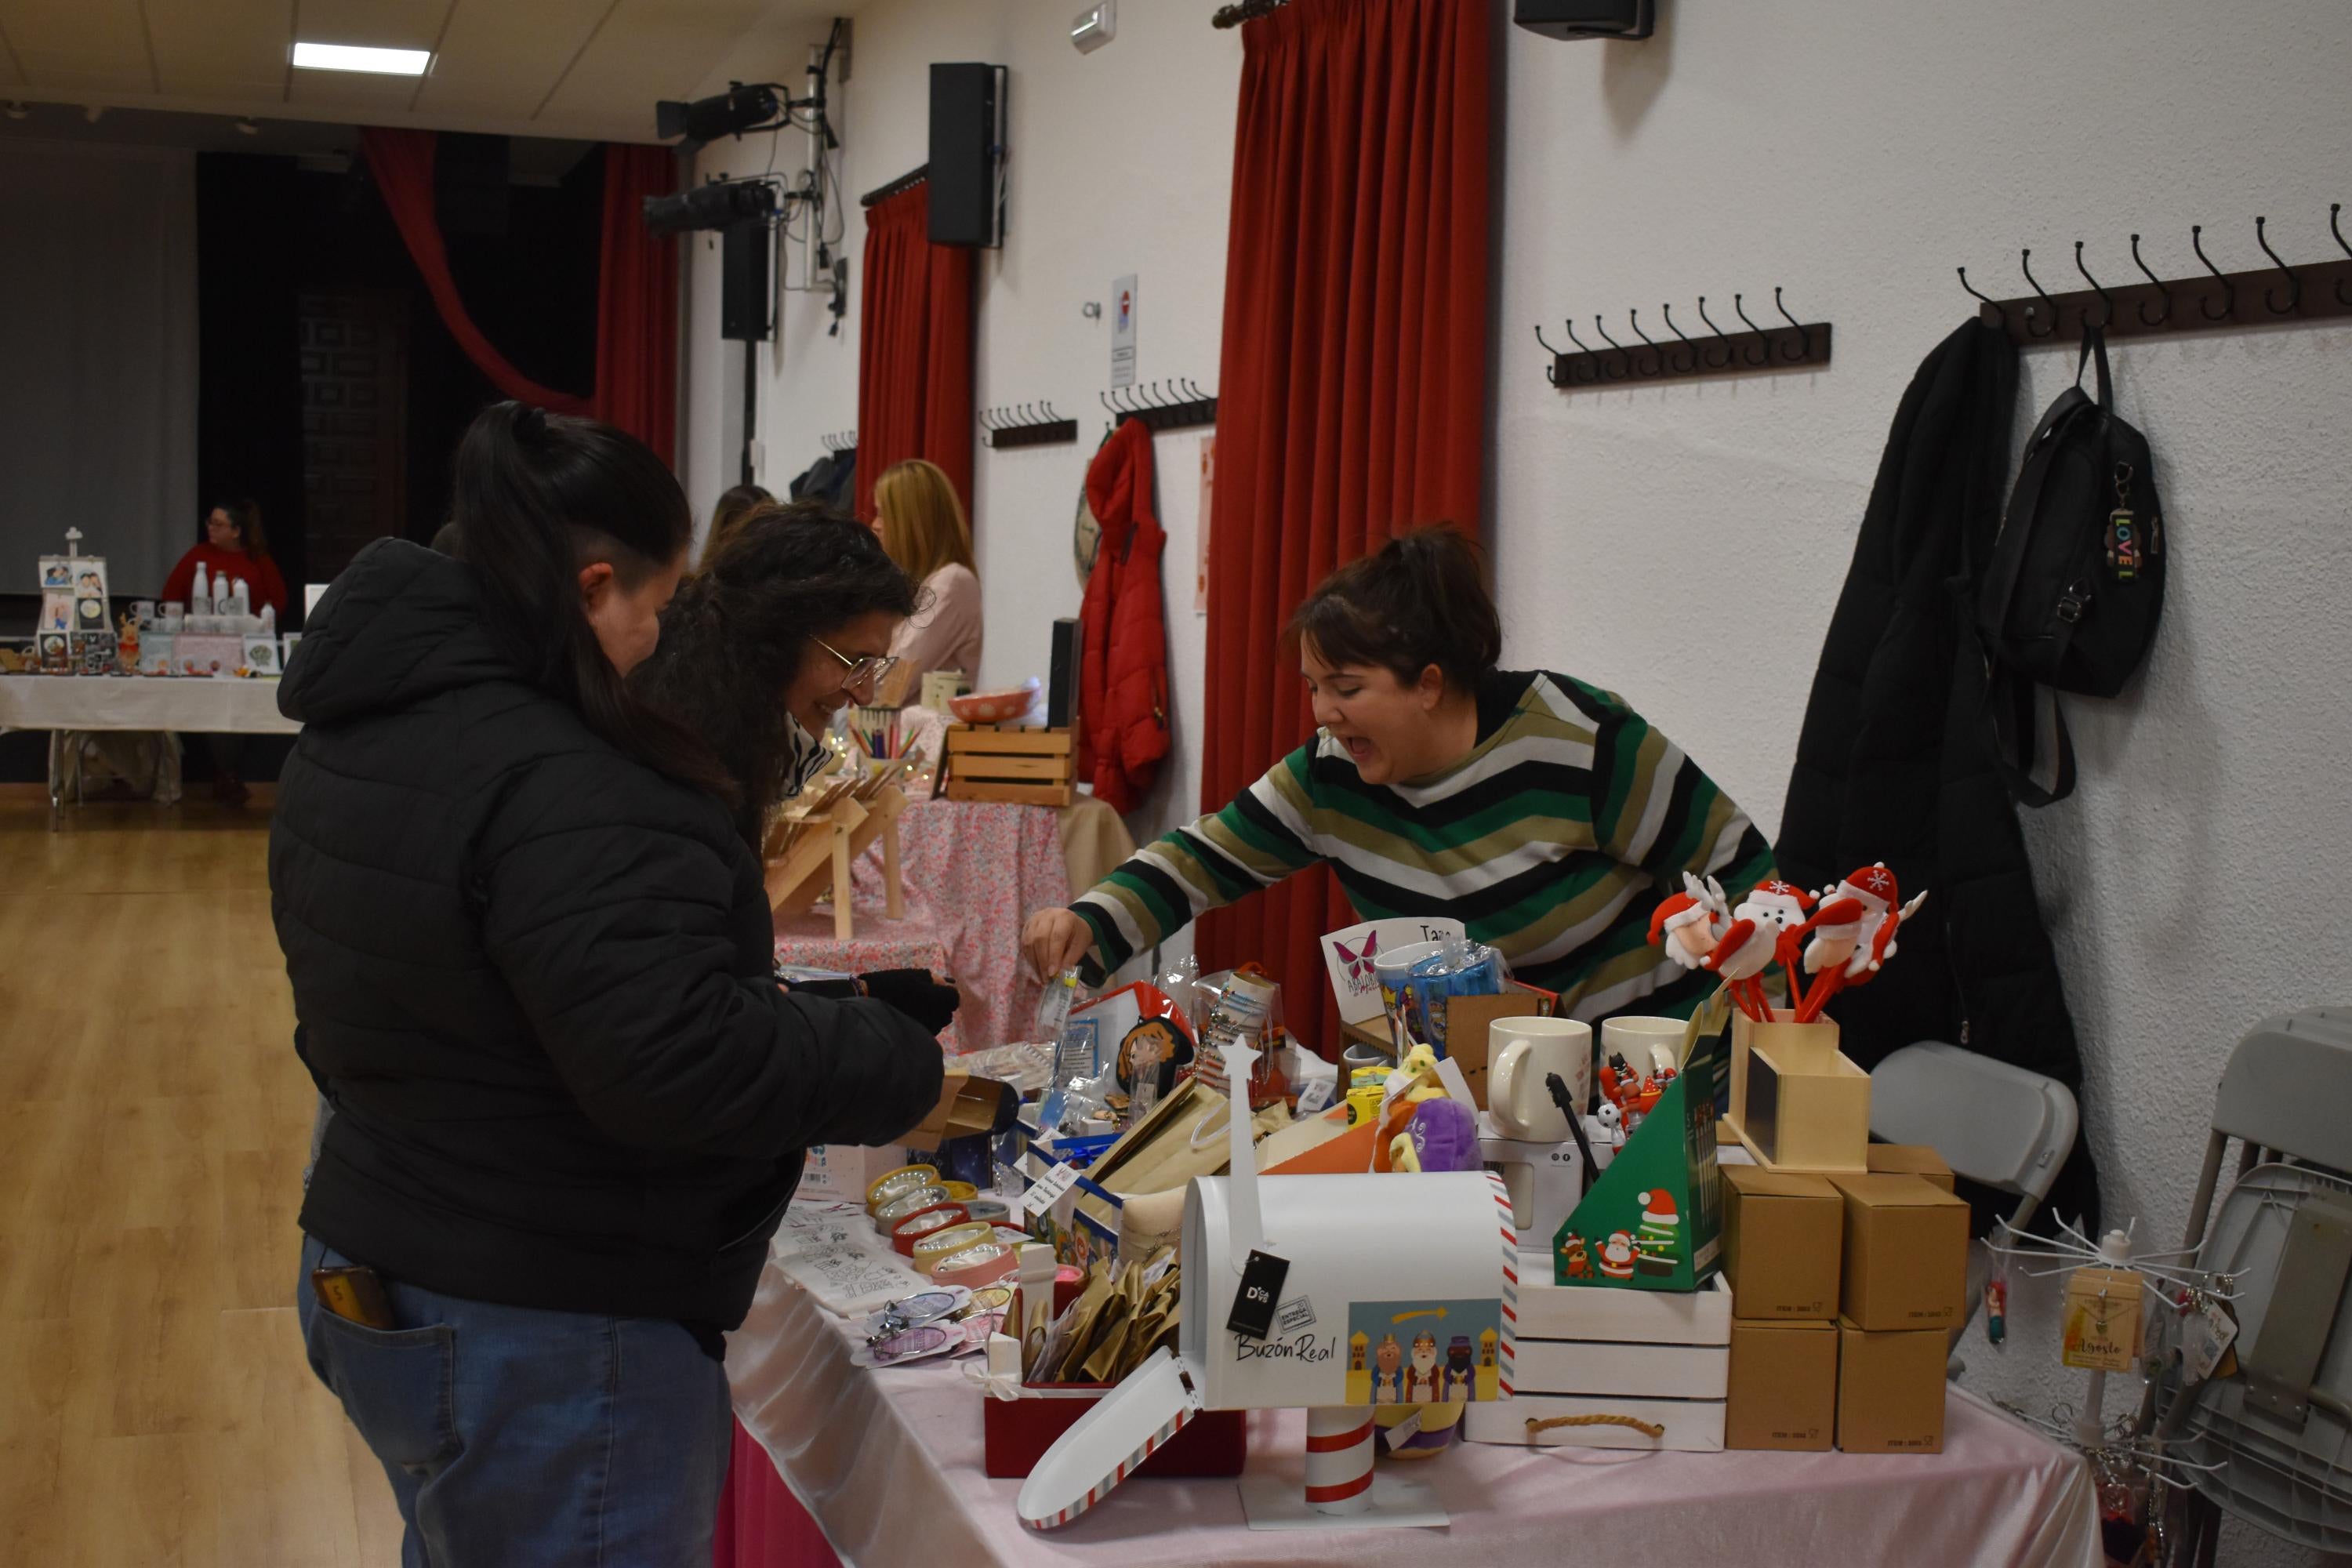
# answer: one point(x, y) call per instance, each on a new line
point(1910, 1160)
point(840, 1172)
point(1806, 1110)
point(1907, 1254)
point(1783, 1392)
point(1890, 1390)
point(1783, 1241)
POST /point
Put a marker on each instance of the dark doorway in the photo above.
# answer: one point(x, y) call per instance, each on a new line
point(354, 347)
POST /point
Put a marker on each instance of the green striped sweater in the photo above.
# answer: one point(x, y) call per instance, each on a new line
point(1552, 841)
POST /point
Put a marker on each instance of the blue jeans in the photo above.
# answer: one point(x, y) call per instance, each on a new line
point(522, 1439)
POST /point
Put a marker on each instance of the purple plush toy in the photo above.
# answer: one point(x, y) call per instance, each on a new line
point(1444, 1135)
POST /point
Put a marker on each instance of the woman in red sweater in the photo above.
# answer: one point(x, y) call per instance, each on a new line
point(233, 547)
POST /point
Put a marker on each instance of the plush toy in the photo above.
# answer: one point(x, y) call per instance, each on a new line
point(1442, 1135)
point(1756, 933)
point(1851, 934)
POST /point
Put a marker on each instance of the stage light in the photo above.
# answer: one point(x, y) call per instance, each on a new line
point(720, 205)
point(709, 119)
point(361, 58)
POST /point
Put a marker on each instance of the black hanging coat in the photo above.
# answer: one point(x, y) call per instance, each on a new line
point(1891, 765)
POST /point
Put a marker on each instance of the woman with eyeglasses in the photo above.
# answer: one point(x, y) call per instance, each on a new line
point(533, 966)
point(787, 627)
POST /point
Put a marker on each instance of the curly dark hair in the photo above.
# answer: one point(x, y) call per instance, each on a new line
point(733, 638)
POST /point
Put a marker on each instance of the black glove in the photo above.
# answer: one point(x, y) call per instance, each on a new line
point(917, 993)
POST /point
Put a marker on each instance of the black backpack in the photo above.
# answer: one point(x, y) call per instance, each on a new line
point(2070, 597)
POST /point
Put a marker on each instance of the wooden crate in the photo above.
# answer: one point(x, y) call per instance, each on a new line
point(1006, 763)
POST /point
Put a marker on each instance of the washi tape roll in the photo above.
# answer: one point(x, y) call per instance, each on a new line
point(975, 1266)
point(891, 1186)
point(960, 1192)
point(955, 1238)
point(914, 1228)
point(995, 1211)
point(913, 1202)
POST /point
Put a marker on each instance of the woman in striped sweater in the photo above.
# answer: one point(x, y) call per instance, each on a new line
point(1540, 812)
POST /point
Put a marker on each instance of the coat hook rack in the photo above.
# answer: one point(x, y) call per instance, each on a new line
point(840, 442)
point(1025, 424)
point(1162, 405)
point(1682, 357)
point(2276, 293)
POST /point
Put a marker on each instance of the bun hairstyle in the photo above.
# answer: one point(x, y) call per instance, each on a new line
point(537, 497)
point(734, 637)
point(1420, 600)
point(245, 513)
point(728, 516)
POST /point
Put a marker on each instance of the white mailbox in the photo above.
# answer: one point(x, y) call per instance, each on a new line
point(1397, 1289)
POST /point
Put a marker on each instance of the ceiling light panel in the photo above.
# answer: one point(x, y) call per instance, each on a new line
point(364, 58)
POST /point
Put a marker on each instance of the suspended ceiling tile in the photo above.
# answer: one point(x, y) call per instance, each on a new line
point(222, 48)
point(380, 24)
point(648, 49)
point(69, 45)
point(499, 58)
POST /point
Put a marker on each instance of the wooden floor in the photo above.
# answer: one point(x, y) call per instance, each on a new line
point(154, 1404)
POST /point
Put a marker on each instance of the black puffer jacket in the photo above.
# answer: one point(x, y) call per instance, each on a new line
point(533, 976)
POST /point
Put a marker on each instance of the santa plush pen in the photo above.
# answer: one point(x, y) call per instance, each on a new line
point(1851, 934)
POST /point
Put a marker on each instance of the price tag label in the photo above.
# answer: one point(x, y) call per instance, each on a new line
point(1315, 1096)
point(1254, 1303)
point(1047, 1189)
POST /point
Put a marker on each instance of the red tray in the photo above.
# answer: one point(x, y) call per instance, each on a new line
point(1019, 1431)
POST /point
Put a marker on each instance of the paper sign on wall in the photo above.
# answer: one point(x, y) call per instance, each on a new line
point(1349, 954)
point(1122, 330)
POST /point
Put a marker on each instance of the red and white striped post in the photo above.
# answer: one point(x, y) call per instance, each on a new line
point(1339, 1458)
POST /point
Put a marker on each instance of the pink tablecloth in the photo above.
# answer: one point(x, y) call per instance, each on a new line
point(982, 870)
point(921, 941)
point(888, 1462)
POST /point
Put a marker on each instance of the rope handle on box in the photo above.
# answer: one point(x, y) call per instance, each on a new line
point(1649, 1429)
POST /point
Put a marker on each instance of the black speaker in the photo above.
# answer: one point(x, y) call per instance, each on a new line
point(1587, 18)
point(1062, 686)
point(967, 153)
point(743, 292)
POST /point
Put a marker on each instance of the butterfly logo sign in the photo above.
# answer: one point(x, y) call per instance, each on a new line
point(1350, 955)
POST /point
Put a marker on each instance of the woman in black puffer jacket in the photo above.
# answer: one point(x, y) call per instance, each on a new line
point(531, 958)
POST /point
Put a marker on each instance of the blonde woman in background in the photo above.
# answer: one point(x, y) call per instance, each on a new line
point(923, 529)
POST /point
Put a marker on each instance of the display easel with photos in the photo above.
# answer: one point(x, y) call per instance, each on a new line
point(812, 843)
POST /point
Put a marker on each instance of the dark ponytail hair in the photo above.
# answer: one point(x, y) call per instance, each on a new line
point(245, 513)
point(537, 497)
point(1421, 600)
point(734, 637)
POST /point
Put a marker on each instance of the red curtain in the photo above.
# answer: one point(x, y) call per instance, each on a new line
point(402, 163)
point(1351, 402)
point(914, 348)
point(636, 302)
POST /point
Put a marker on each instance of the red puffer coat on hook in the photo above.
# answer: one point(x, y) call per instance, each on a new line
point(1123, 662)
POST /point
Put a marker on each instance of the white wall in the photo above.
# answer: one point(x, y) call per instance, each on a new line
point(1855, 154)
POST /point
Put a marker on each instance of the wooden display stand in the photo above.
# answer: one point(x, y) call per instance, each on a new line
point(1797, 1103)
point(830, 841)
point(1007, 763)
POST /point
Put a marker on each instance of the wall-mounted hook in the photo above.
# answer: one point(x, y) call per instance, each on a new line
point(1795, 327)
point(1050, 415)
point(1714, 363)
point(1625, 361)
point(2334, 210)
point(1198, 395)
point(2025, 264)
point(1763, 353)
point(1570, 322)
point(1104, 398)
point(1547, 347)
point(1635, 317)
point(2145, 319)
point(2294, 284)
point(2106, 300)
point(1690, 359)
point(2228, 290)
point(1996, 309)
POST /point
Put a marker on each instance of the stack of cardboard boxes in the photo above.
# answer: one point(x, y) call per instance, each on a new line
point(1845, 1289)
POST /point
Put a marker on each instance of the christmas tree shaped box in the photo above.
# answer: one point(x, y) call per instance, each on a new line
point(1653, 1220)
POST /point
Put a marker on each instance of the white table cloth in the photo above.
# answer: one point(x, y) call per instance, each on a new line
point(888, 1462)
point(188, 705)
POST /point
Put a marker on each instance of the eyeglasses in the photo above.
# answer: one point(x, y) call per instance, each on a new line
point(859, 677)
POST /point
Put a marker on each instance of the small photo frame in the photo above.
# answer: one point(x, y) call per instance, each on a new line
point(56, 595)
point(261, 656)
point(93, 653)
point(57, 653)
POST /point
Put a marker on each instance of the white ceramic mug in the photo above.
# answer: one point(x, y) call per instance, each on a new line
point(1522, 1053)
point(1632, 1037)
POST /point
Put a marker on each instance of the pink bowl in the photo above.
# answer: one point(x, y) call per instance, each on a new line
point(990, 706)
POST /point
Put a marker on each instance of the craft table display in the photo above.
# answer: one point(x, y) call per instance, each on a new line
point(68, 705)
point(981, 869)
point(889, 1463)
point(921, 940)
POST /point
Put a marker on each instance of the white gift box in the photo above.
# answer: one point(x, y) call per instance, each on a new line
point(1639, 1355)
